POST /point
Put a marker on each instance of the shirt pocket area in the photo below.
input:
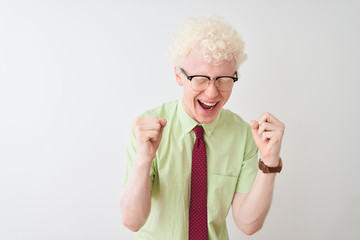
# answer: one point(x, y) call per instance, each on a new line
point(221, 189)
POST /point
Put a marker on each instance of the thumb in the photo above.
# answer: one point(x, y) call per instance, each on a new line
point(254, 129)
point(163, 122)
point(254, 125)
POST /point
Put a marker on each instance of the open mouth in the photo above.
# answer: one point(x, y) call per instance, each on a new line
point(207, 106)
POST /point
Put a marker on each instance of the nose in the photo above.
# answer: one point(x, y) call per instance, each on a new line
point(212, 90)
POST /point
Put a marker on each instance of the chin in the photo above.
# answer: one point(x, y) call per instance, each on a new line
point(206, 119)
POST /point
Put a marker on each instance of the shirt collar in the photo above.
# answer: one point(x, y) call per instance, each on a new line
point(188, 123)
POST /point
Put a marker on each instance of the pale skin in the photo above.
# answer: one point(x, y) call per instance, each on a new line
point(249, 210)
point(136, 196)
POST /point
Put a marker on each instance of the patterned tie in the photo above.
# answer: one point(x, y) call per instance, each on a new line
point(198, 203)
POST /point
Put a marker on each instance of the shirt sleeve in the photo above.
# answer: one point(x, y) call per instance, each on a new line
point(130, 155)
point(249, 166)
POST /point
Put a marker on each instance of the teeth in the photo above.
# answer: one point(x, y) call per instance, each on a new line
point(208, 104)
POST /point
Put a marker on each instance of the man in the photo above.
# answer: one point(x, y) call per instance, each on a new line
point(190, 160)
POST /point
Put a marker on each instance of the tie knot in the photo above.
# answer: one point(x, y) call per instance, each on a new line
point(199, 132)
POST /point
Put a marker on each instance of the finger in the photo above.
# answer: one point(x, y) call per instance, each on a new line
point(152, 135)
point(149, 123)
point(266, 127)
point(267, 117)
point(152, 123)
point(145, 130)
point(145, 122)
point(273, 136)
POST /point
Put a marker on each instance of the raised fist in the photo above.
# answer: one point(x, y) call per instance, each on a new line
point(148, 132)
point(268, 133)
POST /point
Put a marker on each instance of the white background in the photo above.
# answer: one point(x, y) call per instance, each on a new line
point(74, 75)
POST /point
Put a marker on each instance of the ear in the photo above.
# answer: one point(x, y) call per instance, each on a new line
point(177, 76)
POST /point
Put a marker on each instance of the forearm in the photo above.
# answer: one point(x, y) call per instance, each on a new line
point(250, 215)
point(136, 197)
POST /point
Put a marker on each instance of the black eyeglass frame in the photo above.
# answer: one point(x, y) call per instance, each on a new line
point(210, 78)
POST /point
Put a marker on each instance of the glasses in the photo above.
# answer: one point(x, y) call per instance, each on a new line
point(200, 83)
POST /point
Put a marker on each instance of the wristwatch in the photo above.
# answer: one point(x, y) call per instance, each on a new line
point(266, 169)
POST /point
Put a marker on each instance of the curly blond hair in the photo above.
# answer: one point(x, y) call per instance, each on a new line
point(212, 38)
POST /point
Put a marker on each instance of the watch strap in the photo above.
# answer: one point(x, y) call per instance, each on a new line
point(267, 169)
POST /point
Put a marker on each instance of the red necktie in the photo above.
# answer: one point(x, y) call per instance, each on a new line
point(198, 203)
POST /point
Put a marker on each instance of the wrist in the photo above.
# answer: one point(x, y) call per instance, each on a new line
point(271, 161)
point(270, 169)
point(142, 162)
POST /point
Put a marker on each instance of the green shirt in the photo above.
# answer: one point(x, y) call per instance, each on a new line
point(231, 166)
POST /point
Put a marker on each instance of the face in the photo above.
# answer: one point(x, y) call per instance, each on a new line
point(203, 106)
